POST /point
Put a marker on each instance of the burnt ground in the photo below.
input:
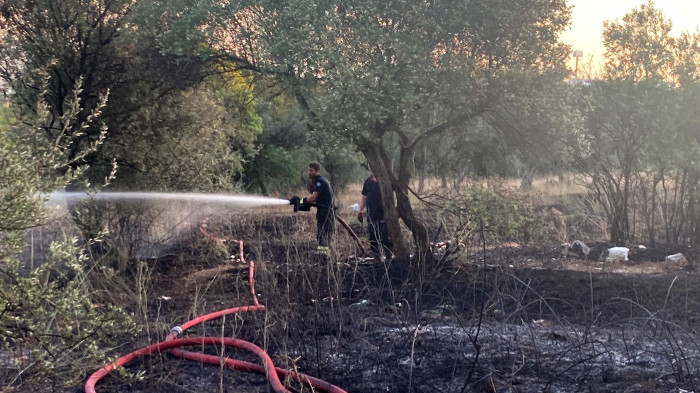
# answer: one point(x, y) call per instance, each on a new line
point(501, 318)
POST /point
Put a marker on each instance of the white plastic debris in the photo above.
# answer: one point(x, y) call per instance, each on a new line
point(355, 207)
point(618, 254)
point(440, 247)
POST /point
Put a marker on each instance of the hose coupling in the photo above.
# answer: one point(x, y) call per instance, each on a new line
point(176, 330)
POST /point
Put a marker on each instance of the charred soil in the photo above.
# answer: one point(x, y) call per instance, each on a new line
point(493, 321)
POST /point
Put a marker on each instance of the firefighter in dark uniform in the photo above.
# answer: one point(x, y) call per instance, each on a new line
point(321, 197)
point(379, 239)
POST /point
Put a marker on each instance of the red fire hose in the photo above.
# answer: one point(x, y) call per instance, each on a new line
point(172, 344)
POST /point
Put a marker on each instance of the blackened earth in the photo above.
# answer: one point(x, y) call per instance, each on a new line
point(474, 321)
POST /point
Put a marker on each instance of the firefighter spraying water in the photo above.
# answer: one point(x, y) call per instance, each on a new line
point(321, 197)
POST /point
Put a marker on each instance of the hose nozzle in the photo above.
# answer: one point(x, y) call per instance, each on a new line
point(294, 201)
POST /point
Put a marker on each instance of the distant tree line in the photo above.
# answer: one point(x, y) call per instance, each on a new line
point(640, 133)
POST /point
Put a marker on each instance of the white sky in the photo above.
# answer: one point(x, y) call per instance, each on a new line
point(586, 30)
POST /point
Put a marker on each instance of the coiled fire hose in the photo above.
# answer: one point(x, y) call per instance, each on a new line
point(172, 344)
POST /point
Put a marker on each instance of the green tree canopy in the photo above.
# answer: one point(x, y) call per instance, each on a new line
point(640, 45)
point(368, 70)
point(154, 100)
point(365, 72)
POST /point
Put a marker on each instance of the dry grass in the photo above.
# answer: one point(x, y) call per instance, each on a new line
point(214, 272)
point(348, 197)
point(615, 268)
point(314, 316)
point(552, 186)
point(558, 201)
point(545, 190)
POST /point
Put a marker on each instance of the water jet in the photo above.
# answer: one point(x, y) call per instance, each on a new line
point(237, 200)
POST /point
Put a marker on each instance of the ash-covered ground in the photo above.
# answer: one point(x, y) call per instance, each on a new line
point(507, 325)
point(494, 318)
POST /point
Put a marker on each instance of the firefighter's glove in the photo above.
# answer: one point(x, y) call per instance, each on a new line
point(359, 216)
point(304, 205)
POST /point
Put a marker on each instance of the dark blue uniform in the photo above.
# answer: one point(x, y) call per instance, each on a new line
point(325, 216)
point(378, 234)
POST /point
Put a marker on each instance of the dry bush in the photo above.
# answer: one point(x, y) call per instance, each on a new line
point(585, 218)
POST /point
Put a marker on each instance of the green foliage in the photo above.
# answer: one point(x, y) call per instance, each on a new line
point(7, 118)
point(234, 92)
point(51, 332)
point(276, 169)
point(640, 46)
point(283, 149)
point(503, 213)
point(286, 147)
point(386, 74)
point(687, 58)
point(341, 165)
point(371, 72)
point(639, 141)
point(621, 118)
point(180, 123)
point(172, 144)
point(366, 61)
point(68, 42)
point(155, 97)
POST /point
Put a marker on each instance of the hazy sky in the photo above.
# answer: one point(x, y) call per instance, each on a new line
point(587, 18)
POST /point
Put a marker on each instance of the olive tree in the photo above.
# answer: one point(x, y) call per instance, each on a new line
point(640, 129)
point(622, 117)
point(51, 331)
point(367, 71)
point(187, 103)
point(639, 46)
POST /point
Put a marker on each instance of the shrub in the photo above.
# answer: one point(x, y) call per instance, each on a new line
point(51, 331)
point(504, 215)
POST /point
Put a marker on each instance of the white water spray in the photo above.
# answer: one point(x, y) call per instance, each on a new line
point(238, 200)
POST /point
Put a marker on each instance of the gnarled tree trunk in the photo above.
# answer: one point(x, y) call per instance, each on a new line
point(373, 153)
point(393, 186)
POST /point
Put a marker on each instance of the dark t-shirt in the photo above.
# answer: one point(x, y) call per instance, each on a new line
point(324, 201)
point(374, 199)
